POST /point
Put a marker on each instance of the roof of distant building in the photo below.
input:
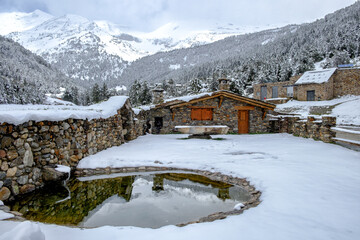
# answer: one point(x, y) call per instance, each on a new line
point(319, 76)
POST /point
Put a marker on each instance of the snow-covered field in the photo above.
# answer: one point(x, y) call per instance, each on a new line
point(346, 109)
point(310, 189)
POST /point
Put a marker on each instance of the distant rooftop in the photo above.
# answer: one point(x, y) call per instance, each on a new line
point(319, 76)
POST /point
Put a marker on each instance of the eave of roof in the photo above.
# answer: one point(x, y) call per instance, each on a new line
point(224, 93)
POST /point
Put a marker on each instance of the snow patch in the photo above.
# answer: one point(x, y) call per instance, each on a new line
point(174, 66)
point(24, 231)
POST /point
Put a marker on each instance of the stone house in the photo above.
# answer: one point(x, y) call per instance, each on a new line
point(316, 85)
point(241, 114)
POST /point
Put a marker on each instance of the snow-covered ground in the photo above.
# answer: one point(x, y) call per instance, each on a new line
point(310, 189)
point(346, 109)
point(17, 113)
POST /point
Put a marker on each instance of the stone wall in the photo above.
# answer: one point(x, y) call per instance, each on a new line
point(224, 115)
point(347, 82)
point(315, 128)
point(28, 149)
point(282, 90)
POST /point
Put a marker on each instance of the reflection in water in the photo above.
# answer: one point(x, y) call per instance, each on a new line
point(152, 200)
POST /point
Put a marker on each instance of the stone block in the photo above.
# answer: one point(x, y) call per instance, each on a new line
point(4, 193)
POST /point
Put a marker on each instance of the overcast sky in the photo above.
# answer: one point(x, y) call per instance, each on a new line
point(150, 14)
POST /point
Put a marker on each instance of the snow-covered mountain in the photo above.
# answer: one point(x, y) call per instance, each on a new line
point(97, 51)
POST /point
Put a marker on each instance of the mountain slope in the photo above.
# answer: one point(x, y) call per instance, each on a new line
point(26, 77)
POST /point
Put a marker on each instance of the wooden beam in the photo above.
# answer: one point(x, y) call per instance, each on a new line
point(244, 108)
point(201, 107)
point(221, 98)
point(264, 114)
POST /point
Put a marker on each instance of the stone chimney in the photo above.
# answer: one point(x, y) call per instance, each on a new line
point(224, 84)
point(158, 95)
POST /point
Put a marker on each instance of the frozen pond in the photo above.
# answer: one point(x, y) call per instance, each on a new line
point(143, 200)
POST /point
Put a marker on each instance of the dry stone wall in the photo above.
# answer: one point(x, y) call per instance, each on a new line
point(27, 150)
point(315, 128)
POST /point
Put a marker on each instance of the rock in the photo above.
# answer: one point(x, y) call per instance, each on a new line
point(15, 188)
point(6, 142)
point(28, 159)
point(23, 179)
point(36, 174)
point(65, 126)
point(49, 174)
point(46, 150)
point(27, 188)
point(4, 166)
point(24, 136)
point(1, 184)
point(54, 128)
point(12, 155)
point(15, 134)
point(11, 172)
point(3, 129)
point(74, 158)
point(35, 145)
point(4, 193)
point(2, 154)
point(25, 130)
point(7, 182)
point(44, 129)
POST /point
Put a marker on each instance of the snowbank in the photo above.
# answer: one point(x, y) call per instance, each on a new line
point(17, 114)
point(24, 231)
point(348, 113)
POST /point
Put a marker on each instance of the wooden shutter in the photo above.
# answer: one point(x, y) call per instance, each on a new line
point(206, 114)
point(201, 114)
point(196, 114)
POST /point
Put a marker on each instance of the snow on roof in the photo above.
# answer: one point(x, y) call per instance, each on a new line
point(319, 76)
point(17, 114)
point(189, 98)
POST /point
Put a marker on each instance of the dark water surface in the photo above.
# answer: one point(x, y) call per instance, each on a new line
point(142, 199)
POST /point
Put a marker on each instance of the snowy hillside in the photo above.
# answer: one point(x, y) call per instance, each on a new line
point(96, 51)
point(19, 21)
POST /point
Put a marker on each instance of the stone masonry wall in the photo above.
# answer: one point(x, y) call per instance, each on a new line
point(28, 149)
point(282, 91)
point(347, 82)
point(318, 129)
point(225, 115)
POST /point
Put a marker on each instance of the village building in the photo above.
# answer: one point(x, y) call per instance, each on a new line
point(241, 114)
point(325, 84)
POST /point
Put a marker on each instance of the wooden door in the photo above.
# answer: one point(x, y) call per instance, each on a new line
point(310, 95)
point(243, 121)
point(263, 94)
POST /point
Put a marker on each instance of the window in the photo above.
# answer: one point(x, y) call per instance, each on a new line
point(290, 91)
point(201, 114)
point(275, 92)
